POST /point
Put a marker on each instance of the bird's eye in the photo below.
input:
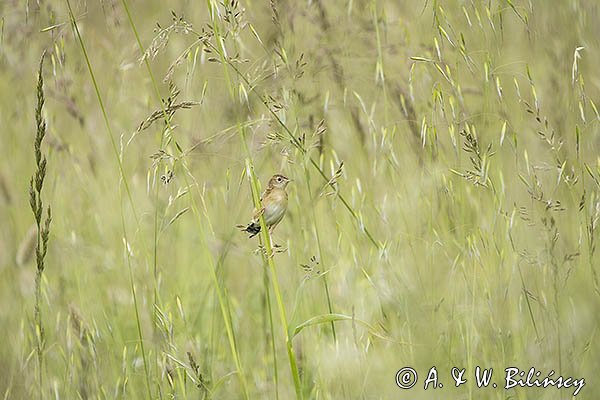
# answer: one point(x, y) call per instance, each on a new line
point(278, 179)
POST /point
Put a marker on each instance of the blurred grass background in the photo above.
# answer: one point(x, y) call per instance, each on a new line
point(469, 136)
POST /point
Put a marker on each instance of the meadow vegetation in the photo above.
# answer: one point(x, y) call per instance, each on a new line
point(444, 209)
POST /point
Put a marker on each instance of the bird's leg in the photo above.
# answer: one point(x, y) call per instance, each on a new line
point(271, 229)
point(276, 247)
point(271, 236)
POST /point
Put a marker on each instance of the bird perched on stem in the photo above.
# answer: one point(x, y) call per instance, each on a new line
point(274, 205)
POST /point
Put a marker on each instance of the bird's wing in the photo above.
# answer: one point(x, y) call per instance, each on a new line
point(265, 193)
point(257, 213)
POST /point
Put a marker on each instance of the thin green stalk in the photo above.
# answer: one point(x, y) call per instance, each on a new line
point(268, 248)
point(155, 248)
point(271, 329)
point(526, 295)
point(320, 248)
point(266, 270)
point(135, 304)
point(125, 184)
point(222, 303)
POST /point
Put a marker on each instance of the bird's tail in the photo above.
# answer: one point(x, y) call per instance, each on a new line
point(253, 228)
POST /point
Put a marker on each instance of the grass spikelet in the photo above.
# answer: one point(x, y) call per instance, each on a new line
point(42, 224)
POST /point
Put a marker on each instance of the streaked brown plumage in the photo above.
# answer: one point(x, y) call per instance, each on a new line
point(274, 201)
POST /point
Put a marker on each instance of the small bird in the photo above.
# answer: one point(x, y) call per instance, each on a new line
point(274, 201)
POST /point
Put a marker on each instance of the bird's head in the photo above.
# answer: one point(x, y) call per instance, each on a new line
point(278, 181)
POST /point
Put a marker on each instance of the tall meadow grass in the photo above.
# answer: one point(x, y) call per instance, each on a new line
point(444, 209)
